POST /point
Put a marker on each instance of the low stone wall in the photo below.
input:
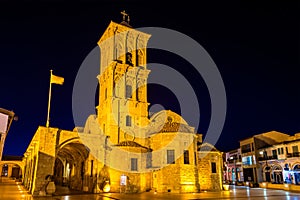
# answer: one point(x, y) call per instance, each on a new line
point(292, 187)
point(288, 187)
point(275, 186)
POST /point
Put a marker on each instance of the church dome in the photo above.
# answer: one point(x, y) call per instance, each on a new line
point(168, 121)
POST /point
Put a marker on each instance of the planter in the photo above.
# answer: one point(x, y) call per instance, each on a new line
point(50, 189)
point(263, 184)
point(226, 187)
point(287, 186)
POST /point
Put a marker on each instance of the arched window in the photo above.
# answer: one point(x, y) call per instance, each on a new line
point(128, 91)
point(277, 167)
point(277, 174)
point(139, 92)
point(118, 82)
point(267, 174)
point(140, 58)
point(296, 167)
point(128, 120)
point(129, 59)
point(119, 53)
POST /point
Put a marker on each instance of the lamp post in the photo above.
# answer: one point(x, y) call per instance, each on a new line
point(234, 158)
point(265, 157)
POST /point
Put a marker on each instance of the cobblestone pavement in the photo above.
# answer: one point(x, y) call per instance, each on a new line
point(10, 190)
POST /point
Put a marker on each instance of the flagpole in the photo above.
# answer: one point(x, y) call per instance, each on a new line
point(49, 100)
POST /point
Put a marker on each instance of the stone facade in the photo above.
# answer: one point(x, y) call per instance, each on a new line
point(210, 168)
point(11, 167)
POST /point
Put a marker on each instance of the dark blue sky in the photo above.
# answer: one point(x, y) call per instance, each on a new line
point(255, 45)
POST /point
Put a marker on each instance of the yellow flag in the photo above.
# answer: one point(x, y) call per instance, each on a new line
point(56, 79)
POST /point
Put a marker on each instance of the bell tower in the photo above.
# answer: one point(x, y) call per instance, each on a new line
point(123, 106)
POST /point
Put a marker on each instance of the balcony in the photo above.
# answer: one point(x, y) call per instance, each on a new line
point(294, 154)
point(273, 157)
point(231, 161)
point(246, 151)
point(247, 163)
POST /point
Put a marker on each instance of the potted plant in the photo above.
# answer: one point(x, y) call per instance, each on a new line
point(50, 186)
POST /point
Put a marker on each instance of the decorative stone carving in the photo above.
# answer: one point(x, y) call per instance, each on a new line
point(175, 127)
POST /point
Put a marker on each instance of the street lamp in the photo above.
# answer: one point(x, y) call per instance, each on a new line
point(234, 158)
point(265, 156)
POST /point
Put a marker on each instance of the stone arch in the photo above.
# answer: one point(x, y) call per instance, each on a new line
point(140, 57)
point(120, 51)
point(267, 173)
point(277, 173)
point(129, 41)
point(276, 167)
point(267, 168)
point(140, 51)
point(128, 89)
point(296, 176)
point(130, 46)
point(118, 84)
point(296, 166)
point(15, 169)
point(140, 91)
point(69, 168)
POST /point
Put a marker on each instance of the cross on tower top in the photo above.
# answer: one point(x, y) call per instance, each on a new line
point(124, 16)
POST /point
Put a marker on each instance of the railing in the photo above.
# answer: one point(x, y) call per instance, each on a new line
point(294, 154)
point(247, 163)
point(232, 160)
point(273, 157)
point(246, 150)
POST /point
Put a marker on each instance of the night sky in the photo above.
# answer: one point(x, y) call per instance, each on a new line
point(255, 45)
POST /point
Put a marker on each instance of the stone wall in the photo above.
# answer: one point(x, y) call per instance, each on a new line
point(135, 182)
point(168, 179)
point(208, 180)
point(176, 178)
point(39, 159)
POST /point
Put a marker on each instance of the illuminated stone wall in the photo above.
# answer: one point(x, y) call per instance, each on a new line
point(135, 182)
point(171, 132)
point(39, 159)
point(208, 180)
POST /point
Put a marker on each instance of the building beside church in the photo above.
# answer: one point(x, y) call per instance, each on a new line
point(122, 148)
point(6, 118)
point(10, 166)
point(250, 149)
point(280, 162)
point(233, 168)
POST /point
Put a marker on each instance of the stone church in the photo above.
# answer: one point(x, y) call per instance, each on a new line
point(122, 148)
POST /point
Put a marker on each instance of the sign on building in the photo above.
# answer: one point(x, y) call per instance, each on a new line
point(123, 180)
